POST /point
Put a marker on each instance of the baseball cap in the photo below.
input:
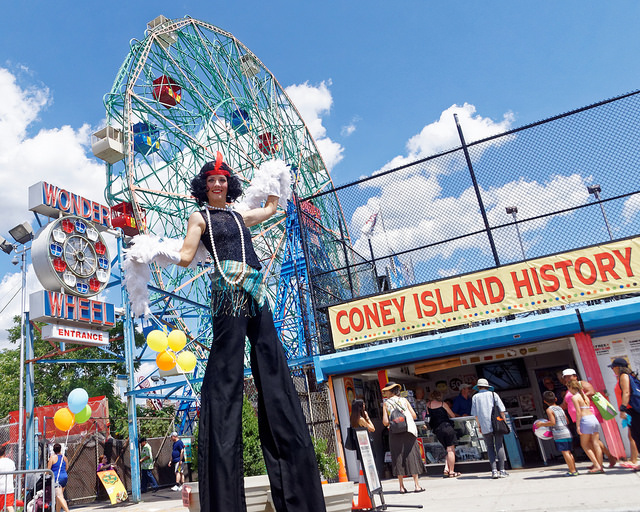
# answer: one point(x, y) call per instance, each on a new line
point(464, 386)
point(619, 361)
point(174, 434)
point(568, 371)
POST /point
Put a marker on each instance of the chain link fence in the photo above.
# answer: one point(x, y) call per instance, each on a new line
point(564, 183)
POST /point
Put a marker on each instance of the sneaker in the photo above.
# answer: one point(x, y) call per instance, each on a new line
point(180, 488)
point(175, 488)
point(495, 475)
point(569, 473)
point(503, 474)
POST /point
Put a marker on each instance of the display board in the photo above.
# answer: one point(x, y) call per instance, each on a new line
point(368, 462)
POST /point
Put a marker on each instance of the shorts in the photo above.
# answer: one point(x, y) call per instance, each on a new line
point(564, 445)
point(9, 500)
point(589, 424)
point(446, 435)
point(178, 467)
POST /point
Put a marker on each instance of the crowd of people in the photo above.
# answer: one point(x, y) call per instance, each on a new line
point(573, 398)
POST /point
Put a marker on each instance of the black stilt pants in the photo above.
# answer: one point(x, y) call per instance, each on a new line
point(286, 444)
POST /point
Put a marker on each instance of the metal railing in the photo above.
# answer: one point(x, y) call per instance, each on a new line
point(30, 489)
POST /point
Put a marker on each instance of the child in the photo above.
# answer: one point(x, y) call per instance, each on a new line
point(561, 434)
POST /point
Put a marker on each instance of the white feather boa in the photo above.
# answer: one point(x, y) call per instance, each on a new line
point(136, 266)
point(272, 178)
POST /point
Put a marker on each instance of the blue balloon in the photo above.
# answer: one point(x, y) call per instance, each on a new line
point(77, 400)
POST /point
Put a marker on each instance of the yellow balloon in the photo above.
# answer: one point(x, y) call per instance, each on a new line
point(177, 340)
point(187, 361)
point(165, 361)
point(157, 341)
point(64, 419)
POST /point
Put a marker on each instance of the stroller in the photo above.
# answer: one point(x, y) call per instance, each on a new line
point(41, 498)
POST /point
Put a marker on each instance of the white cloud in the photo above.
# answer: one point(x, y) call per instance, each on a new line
point(56, 155)
point(350, 128)
point(631, 208)
point(313, 103)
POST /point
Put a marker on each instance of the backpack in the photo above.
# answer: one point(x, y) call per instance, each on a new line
point(634, 388)
point(397, 420)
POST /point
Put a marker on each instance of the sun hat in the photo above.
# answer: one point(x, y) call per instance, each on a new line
point(619, 362)
point(568, 371)
point(483, 383)
point(390, 386)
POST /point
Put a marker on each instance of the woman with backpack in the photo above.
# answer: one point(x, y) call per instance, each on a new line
point(627, 380)
point(482, 405)
point(399, 416)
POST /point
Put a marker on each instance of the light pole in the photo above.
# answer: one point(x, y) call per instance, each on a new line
point(513, 210)
point(22, 234)
point(595, 190)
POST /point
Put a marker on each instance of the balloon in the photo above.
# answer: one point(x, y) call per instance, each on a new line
point(77, 400)
point(63, 419)
point(83, 415)
point(157, 340)
point(542, 432)
point(165, 361)
point(177, 340)
point(186, 361)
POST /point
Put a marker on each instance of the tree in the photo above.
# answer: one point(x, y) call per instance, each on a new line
point(54, 381)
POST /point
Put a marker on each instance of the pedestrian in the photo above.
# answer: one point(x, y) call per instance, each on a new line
point(440, 415)
point(146, 467)
point(104, 464)
point(568, 375)
point(482, 408)
point(560, 430)
point(239, 311)
point(624, 374)
point(587, 426)
point(421, 404)
point(405, 453)
point(6, 481)
point(462, 403)
point(177, 460)
point(58, 463)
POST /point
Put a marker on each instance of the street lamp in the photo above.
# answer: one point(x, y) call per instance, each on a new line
point(595, 190)
point(513, 210)
point(22, 234)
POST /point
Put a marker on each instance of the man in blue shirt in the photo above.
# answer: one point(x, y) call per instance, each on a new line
point(462, 403)
point(177, 459)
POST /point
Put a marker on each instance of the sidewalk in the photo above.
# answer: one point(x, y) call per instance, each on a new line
point(525, 490)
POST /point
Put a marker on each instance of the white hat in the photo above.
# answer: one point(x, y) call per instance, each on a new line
point(174, 434)
point(568, 371)
point(483, 383)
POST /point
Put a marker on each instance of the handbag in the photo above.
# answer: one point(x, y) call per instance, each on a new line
point(498, 424)
point(397, 420)
point(607, 411)
point(351, 443)
point(634, 393)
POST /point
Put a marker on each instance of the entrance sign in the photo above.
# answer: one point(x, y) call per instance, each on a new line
point(67, 334)
point(587, 274)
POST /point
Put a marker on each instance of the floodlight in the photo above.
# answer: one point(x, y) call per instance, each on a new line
point(594, 189)
point(22, 233)
point(512, 209)
point(5, 246)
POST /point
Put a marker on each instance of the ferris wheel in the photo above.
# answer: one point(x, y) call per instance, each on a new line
point(184, 92)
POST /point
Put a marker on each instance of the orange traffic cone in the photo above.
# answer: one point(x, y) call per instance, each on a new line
point(364, 501)
point(342, 472)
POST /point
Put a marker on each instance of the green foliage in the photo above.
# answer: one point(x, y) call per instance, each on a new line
point(327, 462)
point(252, 450)
point(53, 382)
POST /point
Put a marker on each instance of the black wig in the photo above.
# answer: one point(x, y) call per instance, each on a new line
point(199, 184)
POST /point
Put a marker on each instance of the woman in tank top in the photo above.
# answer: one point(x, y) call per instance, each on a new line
point(587, 426)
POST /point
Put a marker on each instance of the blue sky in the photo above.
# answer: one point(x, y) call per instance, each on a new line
point(372, 77)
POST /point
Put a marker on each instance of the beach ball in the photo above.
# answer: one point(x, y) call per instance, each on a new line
point(157, 340)
point(542, 432)
point(165, 361)
point(63, 419)
point(177, 340)
point(187, 361)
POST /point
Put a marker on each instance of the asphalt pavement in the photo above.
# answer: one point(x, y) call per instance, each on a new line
point(524, 490)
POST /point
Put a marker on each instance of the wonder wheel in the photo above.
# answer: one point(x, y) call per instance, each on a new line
point(184, 92)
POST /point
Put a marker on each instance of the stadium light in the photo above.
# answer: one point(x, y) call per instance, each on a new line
point(595, 191)
point(513, 211)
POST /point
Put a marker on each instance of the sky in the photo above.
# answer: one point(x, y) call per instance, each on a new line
point(376, 82)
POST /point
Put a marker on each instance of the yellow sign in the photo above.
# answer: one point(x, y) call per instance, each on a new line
point(577, 276)
point(112, 484)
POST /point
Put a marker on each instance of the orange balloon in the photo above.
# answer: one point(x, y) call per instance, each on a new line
point(64, 419)
point(165, 360)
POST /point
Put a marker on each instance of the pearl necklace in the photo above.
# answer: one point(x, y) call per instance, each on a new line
point(213, 246)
